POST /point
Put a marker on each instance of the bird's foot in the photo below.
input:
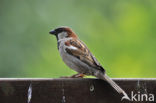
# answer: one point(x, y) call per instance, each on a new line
point(74, 76)
point(78, 76)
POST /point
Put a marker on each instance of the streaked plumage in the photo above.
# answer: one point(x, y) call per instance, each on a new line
point(78, 57)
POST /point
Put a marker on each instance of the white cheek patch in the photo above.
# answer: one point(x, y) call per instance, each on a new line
point(62, 35)
point(72, 47)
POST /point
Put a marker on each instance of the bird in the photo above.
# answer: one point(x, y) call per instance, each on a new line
point(77, 56)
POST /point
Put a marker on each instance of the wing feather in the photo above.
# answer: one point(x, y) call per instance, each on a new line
point(82, 53)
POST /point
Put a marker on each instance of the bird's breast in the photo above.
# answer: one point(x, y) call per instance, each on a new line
point(73, 62)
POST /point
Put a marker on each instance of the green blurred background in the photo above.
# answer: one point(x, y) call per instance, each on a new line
point(120, 33)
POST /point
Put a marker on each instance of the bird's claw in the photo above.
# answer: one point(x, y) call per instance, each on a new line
point(74, 76)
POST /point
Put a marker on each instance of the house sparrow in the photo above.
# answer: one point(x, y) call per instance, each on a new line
point(78, 57)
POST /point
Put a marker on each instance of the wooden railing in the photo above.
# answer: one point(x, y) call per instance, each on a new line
point(75, 90)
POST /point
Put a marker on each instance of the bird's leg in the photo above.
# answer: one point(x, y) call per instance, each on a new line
point(79, 75)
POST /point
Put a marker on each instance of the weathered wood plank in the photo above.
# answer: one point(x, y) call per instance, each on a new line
point(72, 90)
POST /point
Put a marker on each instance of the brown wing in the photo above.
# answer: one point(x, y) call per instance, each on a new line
point(83, 53)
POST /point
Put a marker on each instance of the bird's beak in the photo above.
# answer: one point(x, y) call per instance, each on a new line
point(53, 32)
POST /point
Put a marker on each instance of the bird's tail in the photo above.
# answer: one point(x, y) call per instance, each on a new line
point(115, 86)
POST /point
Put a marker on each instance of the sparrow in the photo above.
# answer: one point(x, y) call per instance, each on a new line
point(78, 57)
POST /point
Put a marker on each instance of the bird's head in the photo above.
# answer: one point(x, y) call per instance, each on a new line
point(63, 32)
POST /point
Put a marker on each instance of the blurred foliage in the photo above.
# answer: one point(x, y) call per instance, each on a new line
point(120, 33)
